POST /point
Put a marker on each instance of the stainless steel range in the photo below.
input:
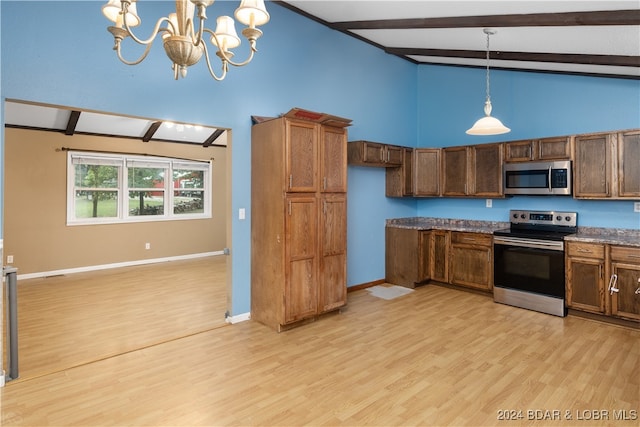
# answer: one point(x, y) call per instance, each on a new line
point(529, 260)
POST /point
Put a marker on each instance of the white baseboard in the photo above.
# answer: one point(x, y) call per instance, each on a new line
point(238, 318)
point(114, 265)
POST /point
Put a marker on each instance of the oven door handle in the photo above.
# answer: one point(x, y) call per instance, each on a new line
point(530, 243)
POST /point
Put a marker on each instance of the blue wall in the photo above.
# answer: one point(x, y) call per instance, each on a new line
point(533, 105)
point(299, 64)
point(303, 64)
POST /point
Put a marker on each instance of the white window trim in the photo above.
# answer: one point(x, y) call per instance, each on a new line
point(123, 161)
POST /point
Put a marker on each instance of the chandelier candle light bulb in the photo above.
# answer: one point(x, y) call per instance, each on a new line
point(183, 39)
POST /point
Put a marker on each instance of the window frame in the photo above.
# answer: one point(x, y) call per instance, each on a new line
point(123, 161)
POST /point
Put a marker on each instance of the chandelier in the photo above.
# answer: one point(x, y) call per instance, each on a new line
point(183, 43)
point(488, 125)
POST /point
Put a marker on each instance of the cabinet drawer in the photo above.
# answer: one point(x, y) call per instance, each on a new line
point(625, 254)
point(472, 238)
point(585, 250)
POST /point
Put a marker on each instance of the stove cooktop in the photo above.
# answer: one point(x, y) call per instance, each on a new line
point(547, 225)
point(533, 234)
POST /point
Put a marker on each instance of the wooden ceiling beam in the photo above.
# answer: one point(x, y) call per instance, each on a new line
point(212, 138)
point(595, 18)
point(610, 60)
point(151, 131)
point(72, 122)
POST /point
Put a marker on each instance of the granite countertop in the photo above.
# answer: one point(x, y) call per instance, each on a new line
point(612, 236)
point(425, 223)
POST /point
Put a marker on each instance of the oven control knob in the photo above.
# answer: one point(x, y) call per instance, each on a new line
point(567, 218)
point(559, 218)
point(515, 216)
point(523, 216)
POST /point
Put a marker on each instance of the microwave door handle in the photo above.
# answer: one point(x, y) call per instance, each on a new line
point(549, 179)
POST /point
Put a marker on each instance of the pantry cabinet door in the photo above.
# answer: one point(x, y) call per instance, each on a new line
point(301, 287)
point(302, 156)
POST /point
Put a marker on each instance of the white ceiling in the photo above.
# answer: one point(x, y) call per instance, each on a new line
point(63, 119)
point(570, 36)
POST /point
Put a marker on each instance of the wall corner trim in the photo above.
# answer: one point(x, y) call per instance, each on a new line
point(238, 318)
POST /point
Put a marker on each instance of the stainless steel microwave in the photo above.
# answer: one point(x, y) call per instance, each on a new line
point(538, 178)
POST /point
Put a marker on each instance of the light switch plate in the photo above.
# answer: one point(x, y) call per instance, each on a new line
point(636, 206)
point(241, 213)
point(489, 203)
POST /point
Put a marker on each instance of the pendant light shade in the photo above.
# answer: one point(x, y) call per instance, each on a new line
point(488, 125)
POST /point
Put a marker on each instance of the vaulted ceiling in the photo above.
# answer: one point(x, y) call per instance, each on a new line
point(567, 36)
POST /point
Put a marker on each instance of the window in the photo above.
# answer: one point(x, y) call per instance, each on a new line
point(108, 188)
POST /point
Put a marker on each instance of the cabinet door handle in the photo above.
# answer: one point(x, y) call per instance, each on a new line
point(289, 207)
point(584, 251)
point(290, 181)
point(612, 284)
point(637, 292)
point(635, 256)
point(470, 239)
point(324, 183)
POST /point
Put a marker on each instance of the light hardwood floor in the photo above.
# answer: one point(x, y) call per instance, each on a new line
point(435, 357)
point(70, 320)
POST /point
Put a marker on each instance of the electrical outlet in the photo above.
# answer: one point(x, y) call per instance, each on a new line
point(636, 206)
point(147, 245)
point(242, 214)
point(489, 203)
point(9, 259)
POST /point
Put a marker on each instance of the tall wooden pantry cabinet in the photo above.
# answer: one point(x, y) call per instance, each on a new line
point(298, 217)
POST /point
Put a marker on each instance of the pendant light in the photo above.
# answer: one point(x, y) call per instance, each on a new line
point(488, 125)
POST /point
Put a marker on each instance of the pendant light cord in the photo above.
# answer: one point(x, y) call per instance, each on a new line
point(488, 96)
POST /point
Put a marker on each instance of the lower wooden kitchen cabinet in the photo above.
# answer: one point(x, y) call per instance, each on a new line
point(415, 256)
point(471, 260)
point(407, 256)
point(439, 267)
point(625, 283)
point(584, 268)
point(603, 279)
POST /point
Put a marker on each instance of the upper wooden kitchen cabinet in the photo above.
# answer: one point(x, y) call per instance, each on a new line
point(399, 180)
point(407, 257)
point(606, 165)
point(629, 164)
point(454, 171)
point(298, 219)
point(426, 172)
point(474, 170)
point(556, 148)
point(486, 170)
point(367, 153)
